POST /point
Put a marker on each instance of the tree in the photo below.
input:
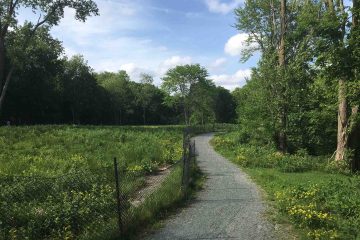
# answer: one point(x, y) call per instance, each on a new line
point(79, 88)
point(260, 20)
point(34, 95)
point(202, 96)
point(337, 55)
point(178, 82)
point(118, 86)
point(281, 30)
point(282, 138)
point(224, 106)
point(50, 13)
point(144, 96)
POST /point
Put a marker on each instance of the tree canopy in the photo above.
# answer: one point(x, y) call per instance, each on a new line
point(302, 93)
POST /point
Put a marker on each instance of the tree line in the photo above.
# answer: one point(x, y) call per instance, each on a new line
point(38, 85)
point(52, 89)
point(304, 93)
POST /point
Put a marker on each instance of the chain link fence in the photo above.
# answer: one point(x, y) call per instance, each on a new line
point(94, 203)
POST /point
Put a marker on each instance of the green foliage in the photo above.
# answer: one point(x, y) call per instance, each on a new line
point(327, 210)
point(55, 207)
point(63, 176)
point(299, 101)
point(180, 79)
point(225, 106)
point(16, 39)
point(254, 156)
point(47, 88)
point(312, 193)
point(188, 84)
point(53, 150)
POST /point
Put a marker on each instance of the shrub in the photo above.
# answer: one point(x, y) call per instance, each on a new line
point(265, 156)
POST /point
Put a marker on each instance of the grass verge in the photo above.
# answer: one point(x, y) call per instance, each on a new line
point(321, 204)
point(159, 208)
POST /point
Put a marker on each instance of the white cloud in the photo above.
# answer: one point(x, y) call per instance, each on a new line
point(111, 42)
point(237, 43)
point(69, 52)
point(173, 62)
point(130, 68)
point(134, 71)
point(218, 63)
point(114, 17)
point(232, 81)
point(217, 6)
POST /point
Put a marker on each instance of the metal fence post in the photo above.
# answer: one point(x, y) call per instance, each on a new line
point(184, 159)
point(120, 225)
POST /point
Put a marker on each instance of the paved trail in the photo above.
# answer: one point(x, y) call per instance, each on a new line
point(229, 206)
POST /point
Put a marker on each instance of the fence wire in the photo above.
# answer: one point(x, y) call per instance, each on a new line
point(88, 204)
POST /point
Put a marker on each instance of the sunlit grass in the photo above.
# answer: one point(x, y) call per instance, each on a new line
point(320, 203)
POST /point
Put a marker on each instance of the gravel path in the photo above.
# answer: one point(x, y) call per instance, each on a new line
point(229, 206)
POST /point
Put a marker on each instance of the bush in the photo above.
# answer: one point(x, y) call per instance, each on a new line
point(249, 155)
point(295, 164)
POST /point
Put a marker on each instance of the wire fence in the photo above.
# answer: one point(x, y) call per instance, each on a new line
point(90, 204)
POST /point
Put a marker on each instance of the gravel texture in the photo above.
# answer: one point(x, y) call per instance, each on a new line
point(229, 206)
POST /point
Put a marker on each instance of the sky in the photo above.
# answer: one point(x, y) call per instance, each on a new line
point(152, 36)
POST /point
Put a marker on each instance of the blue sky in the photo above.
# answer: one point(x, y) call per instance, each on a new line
point(154, 35)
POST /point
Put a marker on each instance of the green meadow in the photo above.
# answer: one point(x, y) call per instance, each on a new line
point(57, 182)
point(54, 150)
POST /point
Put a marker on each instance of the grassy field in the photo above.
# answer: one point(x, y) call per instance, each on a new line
point(57, 182)
point(53, 150)
point(306, 191)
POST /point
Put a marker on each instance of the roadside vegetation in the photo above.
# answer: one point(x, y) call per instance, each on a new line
point(322, 201)
point(58, 181)
point(298, 119)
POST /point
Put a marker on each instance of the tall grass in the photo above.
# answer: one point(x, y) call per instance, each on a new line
point(57, 182)
point(53, 150)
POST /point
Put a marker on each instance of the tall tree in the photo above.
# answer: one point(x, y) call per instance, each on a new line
point(118, 85)
point(225, 106)
point(79, 87)
point(338, 58)
point(202, 96)
point(144, 96)
point(34, 95)
point(50, 12)
point(261, 20)
point(180, 80)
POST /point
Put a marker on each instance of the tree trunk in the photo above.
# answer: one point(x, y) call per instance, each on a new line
point(282, 34)
point(144, 115)
point(5, 87)
point(2, 63)
point(282, 134)
point(120, 117)
point(282, 64)
point(273, 23)
point(355, 16)
point(342, 135)
point(354, 138)
point(73, 114)
point(185, 115)
point(331, 5)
